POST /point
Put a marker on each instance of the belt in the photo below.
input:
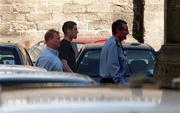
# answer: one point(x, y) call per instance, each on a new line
point(107, 80)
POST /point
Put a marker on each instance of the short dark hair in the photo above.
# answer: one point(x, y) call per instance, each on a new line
point(118, 24)
point(49, 34)
point(68, 25)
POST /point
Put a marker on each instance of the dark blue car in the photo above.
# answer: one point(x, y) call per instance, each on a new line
point(141, 60)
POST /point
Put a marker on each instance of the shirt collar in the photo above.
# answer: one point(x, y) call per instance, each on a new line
point(116, 39)
point(54, 51)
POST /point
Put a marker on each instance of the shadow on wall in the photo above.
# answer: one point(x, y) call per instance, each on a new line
point(25, 43)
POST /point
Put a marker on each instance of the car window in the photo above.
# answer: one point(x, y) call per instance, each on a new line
point(9, 56)
point(90, 63)
point(7, 59)
point(141, 61)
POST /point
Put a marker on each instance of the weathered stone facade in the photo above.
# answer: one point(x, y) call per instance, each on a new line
point(154, 23)
point(26, 21)
point(168, 62)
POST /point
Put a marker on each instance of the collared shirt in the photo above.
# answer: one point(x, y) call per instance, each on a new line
point(49, 60)
point(113, 61)
point(66, 52)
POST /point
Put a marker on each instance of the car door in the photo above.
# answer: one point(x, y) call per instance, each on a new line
point(88, 63)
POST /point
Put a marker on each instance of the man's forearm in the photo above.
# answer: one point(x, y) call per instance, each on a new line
point(66, 67)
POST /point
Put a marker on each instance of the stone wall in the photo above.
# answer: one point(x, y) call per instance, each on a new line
point(154, 23)
point(26, 21)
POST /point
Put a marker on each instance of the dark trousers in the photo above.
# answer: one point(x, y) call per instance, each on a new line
point(107, 80)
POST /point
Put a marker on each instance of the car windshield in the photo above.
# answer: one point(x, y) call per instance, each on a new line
point(136, 58)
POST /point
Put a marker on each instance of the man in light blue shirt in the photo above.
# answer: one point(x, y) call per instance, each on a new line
point(113, 61)
point(49, 58)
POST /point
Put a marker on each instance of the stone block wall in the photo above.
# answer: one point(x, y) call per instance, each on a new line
point(25, 21)
point(154, 23)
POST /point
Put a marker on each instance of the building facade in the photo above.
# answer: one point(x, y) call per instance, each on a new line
point(26, 21)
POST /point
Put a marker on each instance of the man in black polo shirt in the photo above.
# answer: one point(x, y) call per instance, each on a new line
point(66, 51)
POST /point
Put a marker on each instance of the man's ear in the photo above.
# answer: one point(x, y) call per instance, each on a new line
point(68, 30)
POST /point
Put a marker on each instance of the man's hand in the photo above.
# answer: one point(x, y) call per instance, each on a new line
point(66, 67)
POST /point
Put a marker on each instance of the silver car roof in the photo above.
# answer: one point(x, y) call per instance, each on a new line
point(91, 100)
point(22, 68)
